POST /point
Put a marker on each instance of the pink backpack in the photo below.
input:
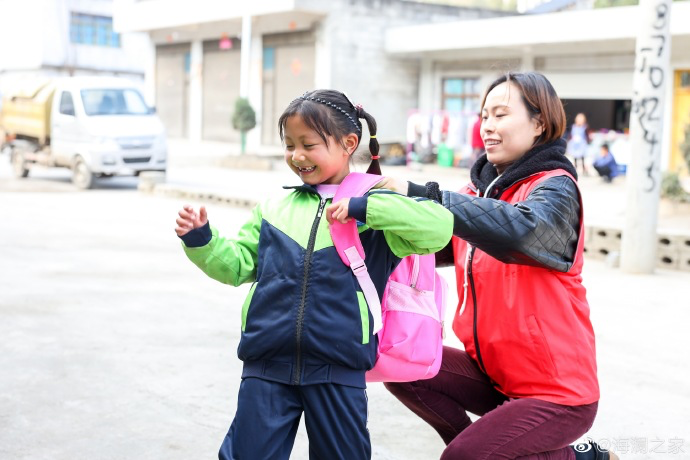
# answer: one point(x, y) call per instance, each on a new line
point(409, 321)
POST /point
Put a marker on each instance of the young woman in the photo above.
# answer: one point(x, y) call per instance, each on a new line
point(529, 365)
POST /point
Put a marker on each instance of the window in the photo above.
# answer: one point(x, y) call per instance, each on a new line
point(461, 95)
point(685, 79)
point(66, 103)
point(113, 102)
point(269, 59)
point(87, 29)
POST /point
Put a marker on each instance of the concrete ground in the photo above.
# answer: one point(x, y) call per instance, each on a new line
point(115, 346)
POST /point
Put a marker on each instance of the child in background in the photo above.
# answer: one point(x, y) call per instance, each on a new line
point(606, 164)
point(307, 336)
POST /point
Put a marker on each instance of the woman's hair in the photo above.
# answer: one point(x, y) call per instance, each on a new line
point(331, 114)
point(541, 101)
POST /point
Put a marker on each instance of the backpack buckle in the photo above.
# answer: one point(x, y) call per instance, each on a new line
point(358, 267)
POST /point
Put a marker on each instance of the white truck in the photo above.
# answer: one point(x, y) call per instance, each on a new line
point(96, 126)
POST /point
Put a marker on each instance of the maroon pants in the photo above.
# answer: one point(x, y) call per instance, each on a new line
point(507, 429)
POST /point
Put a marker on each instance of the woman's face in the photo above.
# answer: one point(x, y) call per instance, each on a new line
point(507, 129)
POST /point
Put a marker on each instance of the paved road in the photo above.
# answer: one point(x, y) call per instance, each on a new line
point(115, 346)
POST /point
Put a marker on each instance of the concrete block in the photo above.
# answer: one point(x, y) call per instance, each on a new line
point(667, 258)
point(674, 240)
point(684, 260)
point(599, 251)
point(606, 237)
point(682, 241)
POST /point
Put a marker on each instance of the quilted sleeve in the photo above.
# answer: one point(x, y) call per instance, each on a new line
point(540, 231)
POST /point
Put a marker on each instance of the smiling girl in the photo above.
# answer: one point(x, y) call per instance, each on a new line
point(307, 333)
point(528, 367)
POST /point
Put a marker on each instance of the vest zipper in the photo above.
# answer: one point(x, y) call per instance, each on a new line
point(303, 300)
point(474, 301)
point(468, 267)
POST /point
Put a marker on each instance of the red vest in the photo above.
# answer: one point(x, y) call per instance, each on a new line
point(533, 330)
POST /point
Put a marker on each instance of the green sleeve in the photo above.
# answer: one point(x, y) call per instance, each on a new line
point(410, 225)
point(230, 261)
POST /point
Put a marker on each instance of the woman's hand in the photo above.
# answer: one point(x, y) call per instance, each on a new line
point(394, 185)
point(189, 220)
point(339, 212)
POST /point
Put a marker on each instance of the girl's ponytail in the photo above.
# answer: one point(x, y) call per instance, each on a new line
point(374, 166)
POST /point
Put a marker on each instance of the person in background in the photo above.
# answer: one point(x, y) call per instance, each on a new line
point(606, 164)
point(578, 141)
point(477, 142)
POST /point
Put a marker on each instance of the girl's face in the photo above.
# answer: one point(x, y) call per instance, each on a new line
point(314, 161)
point(507, 129)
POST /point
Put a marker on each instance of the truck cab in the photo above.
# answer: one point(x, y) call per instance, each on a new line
point(96, 126)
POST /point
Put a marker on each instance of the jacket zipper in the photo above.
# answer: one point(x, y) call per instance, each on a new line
point(300, 311)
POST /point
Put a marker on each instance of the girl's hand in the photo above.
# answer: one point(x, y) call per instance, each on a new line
point(189, 220)
point(393, 185)
point(338, 212)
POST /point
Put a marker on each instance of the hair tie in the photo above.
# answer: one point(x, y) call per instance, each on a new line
point(373, 137)
point(375, 157)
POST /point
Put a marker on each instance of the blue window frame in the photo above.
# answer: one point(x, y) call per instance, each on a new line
point(461, 95)
point(87, 29)
point(269, 58)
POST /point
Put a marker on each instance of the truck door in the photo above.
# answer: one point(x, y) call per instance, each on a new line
point(65, 128)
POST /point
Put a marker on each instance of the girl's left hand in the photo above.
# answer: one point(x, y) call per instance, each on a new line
point(339, 212)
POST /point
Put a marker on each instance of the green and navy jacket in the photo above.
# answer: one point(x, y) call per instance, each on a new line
point(305, 319)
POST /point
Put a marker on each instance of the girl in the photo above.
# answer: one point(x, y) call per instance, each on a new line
point(529, 365)
point(306, 329)
point(578, 141)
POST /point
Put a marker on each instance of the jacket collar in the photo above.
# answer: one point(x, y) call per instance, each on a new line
point(545, 157)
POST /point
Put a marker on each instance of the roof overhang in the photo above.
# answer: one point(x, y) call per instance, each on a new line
point(161, 16)
point(606, 30)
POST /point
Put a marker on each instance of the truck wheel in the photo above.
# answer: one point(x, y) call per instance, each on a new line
point(82, 177)
point(19, 167)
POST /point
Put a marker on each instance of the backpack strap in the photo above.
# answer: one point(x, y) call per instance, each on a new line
point(349, 246)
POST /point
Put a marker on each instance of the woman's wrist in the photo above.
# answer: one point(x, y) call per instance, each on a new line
point(416, 189)
point(429, 190)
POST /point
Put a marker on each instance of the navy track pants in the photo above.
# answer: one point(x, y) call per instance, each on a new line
point(268, 415)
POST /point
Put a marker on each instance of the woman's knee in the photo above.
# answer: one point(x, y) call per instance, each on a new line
point(457, 452)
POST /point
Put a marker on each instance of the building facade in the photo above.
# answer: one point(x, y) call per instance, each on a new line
point(588, 55)
point(205, 54)
point(65, 37)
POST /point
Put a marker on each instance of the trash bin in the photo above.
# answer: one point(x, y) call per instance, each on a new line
point(445, 155)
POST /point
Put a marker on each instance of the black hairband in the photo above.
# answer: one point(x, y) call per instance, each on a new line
point(330, 104)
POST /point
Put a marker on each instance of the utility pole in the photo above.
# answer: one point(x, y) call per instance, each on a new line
point(643, 184)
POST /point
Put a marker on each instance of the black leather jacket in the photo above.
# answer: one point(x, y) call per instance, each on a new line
point(540, 231)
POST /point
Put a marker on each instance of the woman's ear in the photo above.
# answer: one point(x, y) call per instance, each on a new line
point(538, 126)
point(351, 142)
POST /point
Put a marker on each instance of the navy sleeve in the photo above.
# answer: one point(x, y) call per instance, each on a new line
point(357, 208)
point(197, 237)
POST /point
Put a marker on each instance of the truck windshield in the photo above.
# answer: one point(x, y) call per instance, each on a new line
point(118, 101)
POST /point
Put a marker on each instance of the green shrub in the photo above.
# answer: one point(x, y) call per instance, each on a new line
point(243, 119)
point(671, 187)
